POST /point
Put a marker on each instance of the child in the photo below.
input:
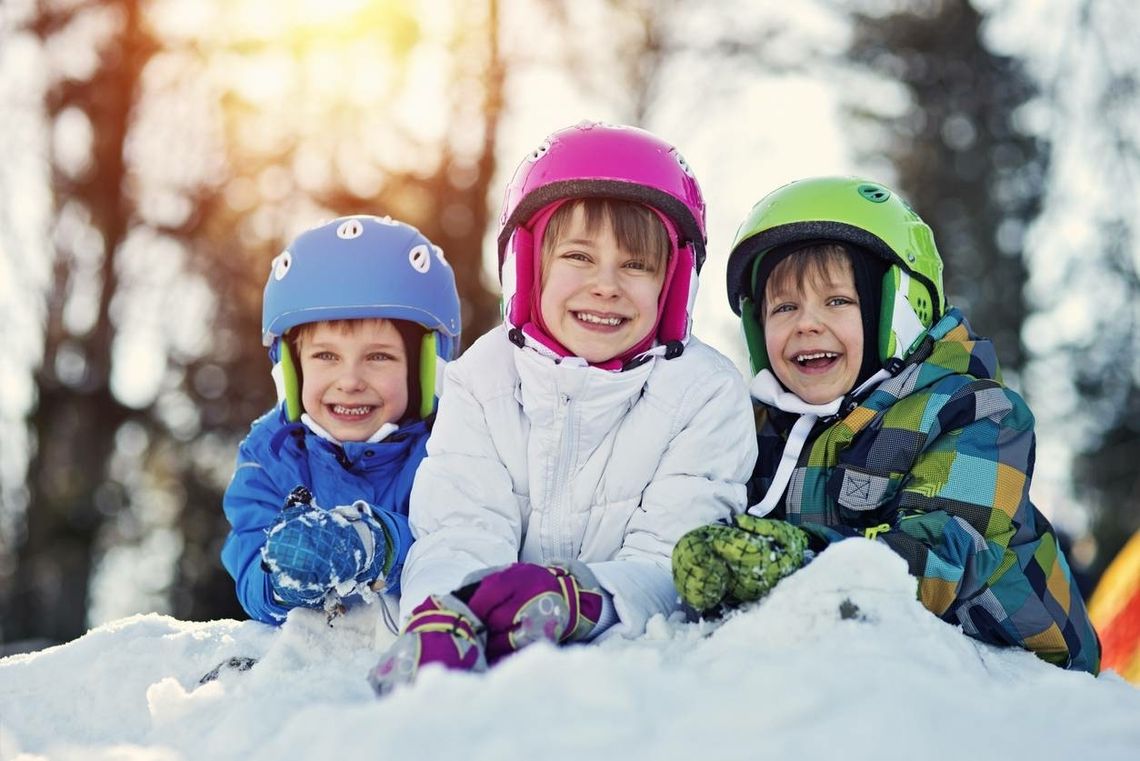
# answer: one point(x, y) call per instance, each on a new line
point(358, 315)
point(882, 416)
point(583, 437)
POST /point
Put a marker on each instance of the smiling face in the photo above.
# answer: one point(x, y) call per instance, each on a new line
point(354, 376)
point(599, 291)
point(813, 328)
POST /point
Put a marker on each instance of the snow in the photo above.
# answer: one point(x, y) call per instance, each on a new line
point(791, 677)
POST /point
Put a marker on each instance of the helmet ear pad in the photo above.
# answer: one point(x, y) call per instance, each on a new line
point(290, 379)
point(753, 335)
point(907, 311)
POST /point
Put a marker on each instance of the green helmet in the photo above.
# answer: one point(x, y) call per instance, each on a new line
point(854, 211)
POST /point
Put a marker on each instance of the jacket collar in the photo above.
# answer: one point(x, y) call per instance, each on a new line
point(599, 398)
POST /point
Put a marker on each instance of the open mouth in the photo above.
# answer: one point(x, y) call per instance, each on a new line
point(353, 411)
point(816, 359)
point(601, 320)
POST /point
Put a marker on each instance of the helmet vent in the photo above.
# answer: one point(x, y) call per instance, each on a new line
point(874, 193)
point(922, 307)
point(349, 229)
point(539, 152)
point(419, 258)
point(281, 264)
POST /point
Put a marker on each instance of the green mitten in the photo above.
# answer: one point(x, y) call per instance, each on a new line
point(732, 564)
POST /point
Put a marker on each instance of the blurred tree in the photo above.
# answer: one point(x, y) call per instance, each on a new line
point(960, 157)
point(174, 183)
point(47, 596)
point(191, 141)
point(1091, 293)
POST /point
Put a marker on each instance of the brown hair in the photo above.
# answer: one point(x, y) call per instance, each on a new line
point(637, 228)
point(814, 262)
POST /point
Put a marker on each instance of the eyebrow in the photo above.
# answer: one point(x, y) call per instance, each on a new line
point(374, 345)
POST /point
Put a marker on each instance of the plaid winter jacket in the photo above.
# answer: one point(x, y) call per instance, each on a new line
point(936, 463)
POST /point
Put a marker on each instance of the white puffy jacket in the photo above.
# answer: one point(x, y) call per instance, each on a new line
point(541, 462)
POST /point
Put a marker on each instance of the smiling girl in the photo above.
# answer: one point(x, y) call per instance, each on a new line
point(581, 439)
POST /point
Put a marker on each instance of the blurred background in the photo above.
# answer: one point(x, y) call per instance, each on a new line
point(156, 155)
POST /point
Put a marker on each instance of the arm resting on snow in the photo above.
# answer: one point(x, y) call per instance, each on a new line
point(700, 479)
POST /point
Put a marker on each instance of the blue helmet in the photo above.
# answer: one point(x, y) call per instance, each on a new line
point(360, 267)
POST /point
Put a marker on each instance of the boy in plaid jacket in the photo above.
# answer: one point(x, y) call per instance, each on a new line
point(881, 415)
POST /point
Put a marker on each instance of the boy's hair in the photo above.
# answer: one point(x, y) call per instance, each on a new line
point(813, 263)
point(411, 334)
point(637, 228)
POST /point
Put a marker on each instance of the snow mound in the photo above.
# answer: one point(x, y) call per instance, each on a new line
point(839, 660)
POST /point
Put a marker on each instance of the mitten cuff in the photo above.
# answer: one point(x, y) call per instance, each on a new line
point(606, 619)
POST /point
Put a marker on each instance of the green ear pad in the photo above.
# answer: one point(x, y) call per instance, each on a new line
point(753, 336)
point(887, 338)
point(292, 383)
point(427, 374)
point(753, 330)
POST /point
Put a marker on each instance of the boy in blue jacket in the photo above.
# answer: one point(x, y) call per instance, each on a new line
point(359, 315)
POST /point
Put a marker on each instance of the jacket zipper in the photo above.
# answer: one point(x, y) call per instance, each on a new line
point(561, 536)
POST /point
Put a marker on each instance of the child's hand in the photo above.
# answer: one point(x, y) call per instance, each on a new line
point(441, 630)
point(311, 552)
point(524, 602)
point(731, 564)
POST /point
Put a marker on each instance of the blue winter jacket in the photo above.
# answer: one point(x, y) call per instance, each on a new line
point(277, 456)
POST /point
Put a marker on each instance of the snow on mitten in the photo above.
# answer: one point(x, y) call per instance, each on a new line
point(310, 552)
point(722, 564)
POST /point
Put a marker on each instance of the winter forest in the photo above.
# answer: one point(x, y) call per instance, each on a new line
point(156, 154)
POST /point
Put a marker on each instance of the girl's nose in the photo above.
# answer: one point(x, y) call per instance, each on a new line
point(606, 281)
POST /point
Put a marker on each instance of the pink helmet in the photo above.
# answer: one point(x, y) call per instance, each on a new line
point(615, 161)
point(595, 159)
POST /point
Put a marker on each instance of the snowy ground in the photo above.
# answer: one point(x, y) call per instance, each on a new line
point(789, 678)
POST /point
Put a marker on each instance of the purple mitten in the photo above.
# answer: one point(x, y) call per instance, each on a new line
point(441, 630)
point(524, 603)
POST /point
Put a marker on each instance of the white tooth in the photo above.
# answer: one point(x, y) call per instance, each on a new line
point(818, 355)
point(340, 409)
point(612, 321)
